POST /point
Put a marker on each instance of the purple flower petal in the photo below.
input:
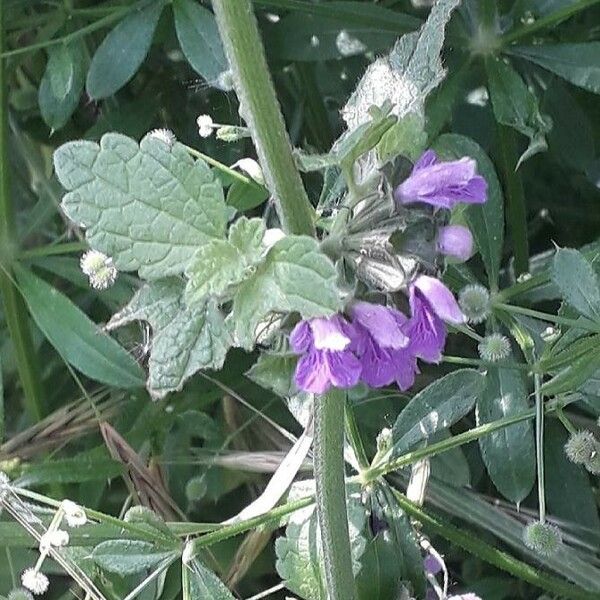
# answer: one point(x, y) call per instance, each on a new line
point(455, 241)
point(440, 298)
point(427, 159)
point(378, 368)
point(425, 329)
point(329, 334)
point(301, 337)
point(442, 184)
point(406, 369)
point(432, 565)
point(344, 368)
point(382, 323)
point(312, 373)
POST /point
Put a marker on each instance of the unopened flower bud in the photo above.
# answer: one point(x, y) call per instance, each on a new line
point(494, 347)
point(251, 168)
point(550, 334)
point(580, 447)
point(385, 440)
point(99, 268)
point(474, 300)
point(542, 538)
point(196, 489)
point(455, 241)
point(231, 133)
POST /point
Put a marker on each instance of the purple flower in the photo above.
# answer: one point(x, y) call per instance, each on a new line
point(432, 565)
point(455, 241)
point(432, 304)
point(442, 184)
point(328, 359)
point(383, 346)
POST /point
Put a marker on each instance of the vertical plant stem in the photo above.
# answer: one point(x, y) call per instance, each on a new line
point(259, 107)
point(515, 198)
point(331, 494)
point(15, 313)
point(539, 445)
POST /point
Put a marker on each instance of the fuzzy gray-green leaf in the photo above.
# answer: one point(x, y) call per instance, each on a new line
point(221, 264)
point(185, 339)
point(148, 206)
point(294, 277)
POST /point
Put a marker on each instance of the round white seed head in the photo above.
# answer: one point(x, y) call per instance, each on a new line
point(593, 464)
point(494, 347)
point(474, 300)
point(74, 514)
point(37, 583)
point(580, 447)
point(205, 125)
point(19, 594)
point(99, 268)
point(165, 135)
point(542, 538)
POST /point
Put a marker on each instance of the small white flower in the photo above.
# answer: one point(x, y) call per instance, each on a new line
point(34, 581)
point(205, 125)
point(251, 168)
point(165, 135)
point(74, 514)
point(99, 268)
point(57, 538)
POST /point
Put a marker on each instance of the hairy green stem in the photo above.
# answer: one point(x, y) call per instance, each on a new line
point(474, 545)
point(15, 313)
point(515, 198)
point(539, 445)
point(328, 458)
point(260, 109)
point(547, 21)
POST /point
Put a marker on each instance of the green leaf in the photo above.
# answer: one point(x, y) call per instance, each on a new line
point(123, 50)
point(199, 583)
point(451, 465)
point(70, 470)
point(294, 277)
point(62, 84)
point(407, 137)
point(573, 376)
point(185, 339)
point(406, 76)
point(127, 557)
point(569, 494)
point(200, 41)
point(515, 105)
point(508, 454)
point(577, 63)
point(149, 207)
point(221, 264)
point(77, 339)
point(577, 282)
point(486, 221)
point(246, 196)
point(275, 372)
point(299, 552)
point(438, 406)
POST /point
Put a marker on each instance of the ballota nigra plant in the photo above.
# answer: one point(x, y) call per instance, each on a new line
point(329, 271)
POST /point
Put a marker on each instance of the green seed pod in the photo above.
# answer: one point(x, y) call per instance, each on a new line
point(494, 347)
point(542, 538)
point(474, 300)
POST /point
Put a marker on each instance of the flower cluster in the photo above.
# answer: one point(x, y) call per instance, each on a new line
point(379, 345)
point(375, 344)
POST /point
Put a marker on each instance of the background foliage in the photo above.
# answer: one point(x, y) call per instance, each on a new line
point(520, 96)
